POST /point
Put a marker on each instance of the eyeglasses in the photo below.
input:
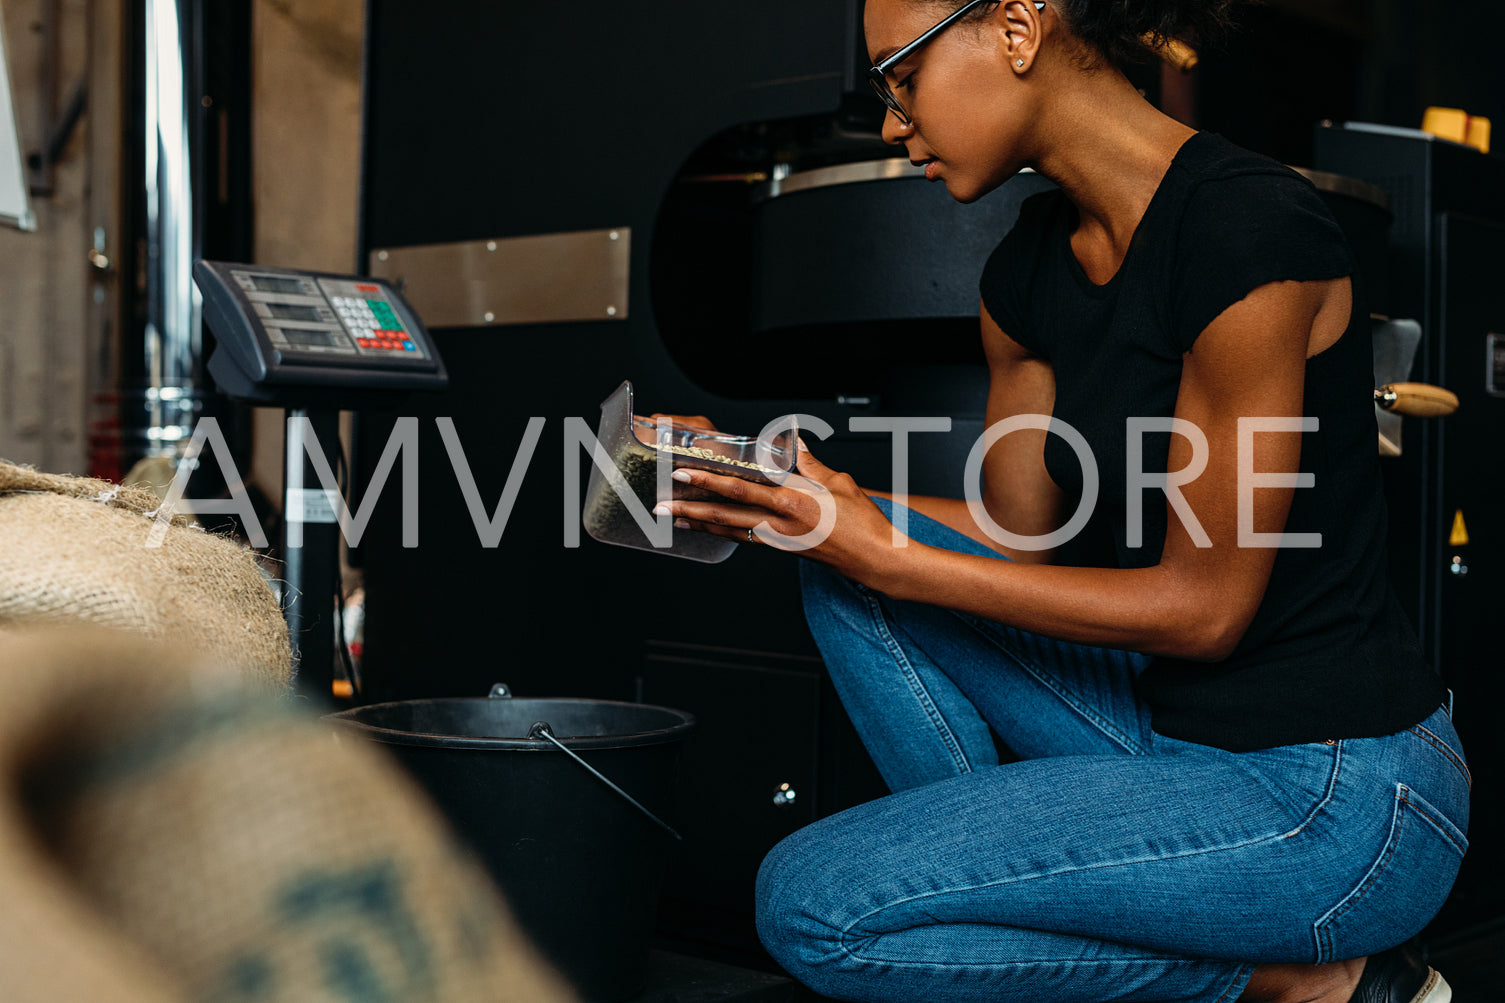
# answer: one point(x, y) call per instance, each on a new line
point(878, 75)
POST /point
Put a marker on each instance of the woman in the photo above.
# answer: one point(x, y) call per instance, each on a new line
point(1237, 778)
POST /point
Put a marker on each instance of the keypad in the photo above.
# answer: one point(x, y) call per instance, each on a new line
point(374, 324)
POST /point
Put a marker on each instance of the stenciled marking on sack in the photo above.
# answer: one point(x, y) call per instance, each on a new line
point(328, 900)
point(171, 734)
point(349, 972)
point(333, 914)
point(248, 978)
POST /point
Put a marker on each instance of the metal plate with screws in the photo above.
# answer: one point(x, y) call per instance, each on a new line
point(538, 279)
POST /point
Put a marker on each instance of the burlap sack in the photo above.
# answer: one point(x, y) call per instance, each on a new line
point(75, 550)
point(167, 833)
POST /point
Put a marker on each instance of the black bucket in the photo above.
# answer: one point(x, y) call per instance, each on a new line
point(581, 863)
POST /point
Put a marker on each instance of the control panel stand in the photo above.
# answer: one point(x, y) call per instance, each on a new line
point(311, 548)
point(314, 343)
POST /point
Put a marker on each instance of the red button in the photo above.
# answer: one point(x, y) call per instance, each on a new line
point(363, 342)
point(369, 289)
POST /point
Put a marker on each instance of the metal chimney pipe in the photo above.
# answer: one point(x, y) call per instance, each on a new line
point(173, 337)
point(189, 178)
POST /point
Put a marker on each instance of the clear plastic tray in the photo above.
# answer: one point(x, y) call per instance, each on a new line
point(634, 446)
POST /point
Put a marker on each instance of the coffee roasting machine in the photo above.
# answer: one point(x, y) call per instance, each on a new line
point(695, 199)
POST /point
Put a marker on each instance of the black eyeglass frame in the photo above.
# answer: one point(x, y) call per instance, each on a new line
point(877, 76)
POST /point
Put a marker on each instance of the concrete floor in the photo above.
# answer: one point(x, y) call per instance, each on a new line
point(1474, 965)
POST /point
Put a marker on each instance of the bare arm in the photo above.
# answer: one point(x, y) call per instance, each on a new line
point(1017, 492)
point(1198, 601)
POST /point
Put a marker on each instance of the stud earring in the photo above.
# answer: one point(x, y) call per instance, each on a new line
point(1018, 62)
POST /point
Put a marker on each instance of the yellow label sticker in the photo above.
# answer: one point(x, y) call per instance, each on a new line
point(1459, 536)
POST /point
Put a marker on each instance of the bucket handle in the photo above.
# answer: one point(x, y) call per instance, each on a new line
point(541, 729)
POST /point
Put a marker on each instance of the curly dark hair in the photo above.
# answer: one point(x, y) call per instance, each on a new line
point(1130, 31)
point(1126, 32)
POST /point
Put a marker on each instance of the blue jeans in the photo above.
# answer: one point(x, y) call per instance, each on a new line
point(1111, 862)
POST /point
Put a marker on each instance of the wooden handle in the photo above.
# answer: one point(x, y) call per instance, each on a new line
point(1416, 400)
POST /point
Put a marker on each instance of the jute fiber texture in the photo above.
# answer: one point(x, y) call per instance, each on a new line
point(170, 832)
point(76, 550)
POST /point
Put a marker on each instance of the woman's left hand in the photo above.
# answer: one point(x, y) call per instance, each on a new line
point(817, 513)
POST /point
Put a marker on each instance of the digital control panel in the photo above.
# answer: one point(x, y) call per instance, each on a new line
point(325, 315)
point(281, 327)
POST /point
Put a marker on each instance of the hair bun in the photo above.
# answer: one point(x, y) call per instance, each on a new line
point(1133, 31)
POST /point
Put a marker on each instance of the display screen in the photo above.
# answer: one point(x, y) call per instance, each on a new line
point(296, 336)
point(277, 284)
point(293, 311)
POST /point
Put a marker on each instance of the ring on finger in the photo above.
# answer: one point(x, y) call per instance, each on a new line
point(750, 535)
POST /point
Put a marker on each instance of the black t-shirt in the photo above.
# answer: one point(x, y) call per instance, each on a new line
point(1329, 654)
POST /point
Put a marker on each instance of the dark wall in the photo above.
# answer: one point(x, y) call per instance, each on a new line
point(1267, 85)
point(1291, 65)
point(1445, 54)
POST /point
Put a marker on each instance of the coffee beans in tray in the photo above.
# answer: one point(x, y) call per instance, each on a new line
point(705, 449)
point(624, 485)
